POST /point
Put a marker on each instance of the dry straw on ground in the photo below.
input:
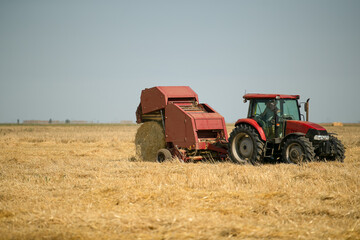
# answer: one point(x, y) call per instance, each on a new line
point(75, 182)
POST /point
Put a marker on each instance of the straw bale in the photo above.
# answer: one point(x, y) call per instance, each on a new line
point(337, 124)
point(149, 138)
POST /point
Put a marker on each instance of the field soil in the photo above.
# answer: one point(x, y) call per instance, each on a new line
point(84, 182)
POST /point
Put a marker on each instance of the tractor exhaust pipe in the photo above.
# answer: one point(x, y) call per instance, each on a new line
point(307, 109)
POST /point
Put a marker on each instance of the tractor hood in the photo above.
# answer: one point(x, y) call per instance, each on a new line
point(293, 126)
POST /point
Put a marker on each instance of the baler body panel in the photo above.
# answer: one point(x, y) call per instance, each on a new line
point(188, 129)
point(179, 127)
point(156, 98)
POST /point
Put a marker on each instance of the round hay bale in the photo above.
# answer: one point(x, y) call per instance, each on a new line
point(150, 137)
point(337, 124)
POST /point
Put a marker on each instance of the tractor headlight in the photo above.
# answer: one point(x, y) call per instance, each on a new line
point(321, 137)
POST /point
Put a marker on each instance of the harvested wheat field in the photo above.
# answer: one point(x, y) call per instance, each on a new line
point(80, 182)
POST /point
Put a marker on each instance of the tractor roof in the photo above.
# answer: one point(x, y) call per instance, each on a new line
point(269, 96)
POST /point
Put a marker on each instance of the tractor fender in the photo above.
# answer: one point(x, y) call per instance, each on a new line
point(254, 124)
point(289, 136)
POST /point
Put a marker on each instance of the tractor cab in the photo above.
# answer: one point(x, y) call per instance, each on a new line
point(271, 111)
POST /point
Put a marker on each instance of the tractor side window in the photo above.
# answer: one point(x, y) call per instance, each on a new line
point(290, 109)
point(259, 108)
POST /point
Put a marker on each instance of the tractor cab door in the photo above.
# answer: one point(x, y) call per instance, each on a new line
point(266, 113)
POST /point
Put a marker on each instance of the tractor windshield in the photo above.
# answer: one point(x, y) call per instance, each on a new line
point(289, 109)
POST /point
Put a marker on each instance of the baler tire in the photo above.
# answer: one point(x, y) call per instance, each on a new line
point(245, 145)
point(298, 150)
point(339, 149)
point(163, 155)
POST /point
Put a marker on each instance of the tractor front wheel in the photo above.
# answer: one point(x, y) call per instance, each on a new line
point(245, 145)
point(298, 150)
point(338, 150)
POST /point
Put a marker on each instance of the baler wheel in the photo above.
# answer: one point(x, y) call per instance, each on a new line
point(245, 145)
point(163, 155)
point(338, 148)
point(298, 150)
point(149, 139)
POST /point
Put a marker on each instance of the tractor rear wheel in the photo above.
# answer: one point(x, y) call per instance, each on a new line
point(338, 148)
point(163, 155)
point(298, 150)
point(245, 145)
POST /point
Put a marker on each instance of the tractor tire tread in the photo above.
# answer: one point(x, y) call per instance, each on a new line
point(309, 150)
point(339, 149)
point(256, 159)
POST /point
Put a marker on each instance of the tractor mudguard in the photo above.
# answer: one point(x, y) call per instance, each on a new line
point(254, 124)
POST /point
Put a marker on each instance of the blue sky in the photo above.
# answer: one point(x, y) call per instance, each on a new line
point(89, 60)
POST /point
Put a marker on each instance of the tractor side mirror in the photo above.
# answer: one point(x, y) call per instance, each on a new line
point(306, 109)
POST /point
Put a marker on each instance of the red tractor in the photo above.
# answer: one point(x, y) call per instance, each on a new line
point(273, 131)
